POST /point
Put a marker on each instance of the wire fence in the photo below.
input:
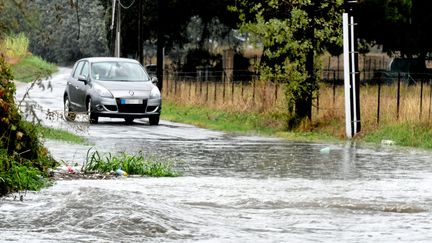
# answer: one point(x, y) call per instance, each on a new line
point(384, 96)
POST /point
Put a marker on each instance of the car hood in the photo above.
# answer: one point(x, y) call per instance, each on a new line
point(123, 89)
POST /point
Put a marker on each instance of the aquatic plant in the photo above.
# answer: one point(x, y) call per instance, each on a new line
point(138, 164)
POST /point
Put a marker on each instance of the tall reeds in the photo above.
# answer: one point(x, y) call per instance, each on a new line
point(14, 47)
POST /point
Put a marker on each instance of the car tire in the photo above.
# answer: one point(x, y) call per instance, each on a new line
point(93, 119)
point(67, 113)
point(129, 120)
point(154, 120)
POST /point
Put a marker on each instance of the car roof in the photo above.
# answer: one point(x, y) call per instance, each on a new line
point(108, 59)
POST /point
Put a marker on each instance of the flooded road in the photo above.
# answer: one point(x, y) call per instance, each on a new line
point(233, 189)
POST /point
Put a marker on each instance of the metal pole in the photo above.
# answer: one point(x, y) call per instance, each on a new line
point(347, 85)
point(118, 36)
point(398, 97)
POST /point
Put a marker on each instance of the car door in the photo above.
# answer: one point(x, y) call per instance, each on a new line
point(72, 85)
point(82, 87)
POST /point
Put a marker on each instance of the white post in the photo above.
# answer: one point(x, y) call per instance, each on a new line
point(347, 84)
point(353, 75)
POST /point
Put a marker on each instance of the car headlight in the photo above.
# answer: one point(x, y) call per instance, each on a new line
point(102, 91)
point(155, 93)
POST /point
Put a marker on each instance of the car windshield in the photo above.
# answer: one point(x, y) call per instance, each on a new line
point(118, 71)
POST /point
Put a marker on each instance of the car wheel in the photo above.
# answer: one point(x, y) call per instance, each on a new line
point(93, 119)
point(68, 114)
point(154, 120)
point(129, 120)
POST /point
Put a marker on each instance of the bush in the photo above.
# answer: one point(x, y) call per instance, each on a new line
point(23, 159)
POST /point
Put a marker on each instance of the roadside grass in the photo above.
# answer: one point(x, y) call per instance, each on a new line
point(411, 134)
point(235, 122)
point(61, 135)
point(31, 68)
point(131, 164)
point(260, 109)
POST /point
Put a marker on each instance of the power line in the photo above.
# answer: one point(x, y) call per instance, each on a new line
point(132, 3)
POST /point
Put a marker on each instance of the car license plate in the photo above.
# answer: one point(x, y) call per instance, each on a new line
point(131, 102)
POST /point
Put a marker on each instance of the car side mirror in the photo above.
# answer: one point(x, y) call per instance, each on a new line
point(83, 79)
point(154, 80)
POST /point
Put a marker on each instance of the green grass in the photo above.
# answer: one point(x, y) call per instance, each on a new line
point(31, 68)
point(411, 134)
point(241, 123)
point(61, 135)
point(220, 120)
point(132, 164)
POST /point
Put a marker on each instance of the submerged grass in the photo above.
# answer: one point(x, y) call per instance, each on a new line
point(62, 135)
point(131, 164)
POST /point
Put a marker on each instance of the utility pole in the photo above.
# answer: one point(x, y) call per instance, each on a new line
point(140, 33)
point(160, 45)
point(351, 74)
point(118, 25)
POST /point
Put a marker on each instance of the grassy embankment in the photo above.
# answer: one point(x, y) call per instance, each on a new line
point(195, 103)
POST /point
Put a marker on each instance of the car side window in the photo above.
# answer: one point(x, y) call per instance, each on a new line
point(78, 70)
point(85, 70)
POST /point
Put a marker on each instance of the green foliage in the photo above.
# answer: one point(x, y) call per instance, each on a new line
point(292, 34)
point(401, 26)
point(32, 68)
point(132, 164)
point(18, 175)
point(67, 31)
point(22, 156)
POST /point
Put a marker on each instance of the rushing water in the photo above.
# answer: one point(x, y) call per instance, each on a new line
point(233, 189)
point(239, 189)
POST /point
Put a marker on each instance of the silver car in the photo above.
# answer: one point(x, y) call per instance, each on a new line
point(111, 87)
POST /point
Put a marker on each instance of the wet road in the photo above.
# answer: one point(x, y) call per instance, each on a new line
point(233, 189)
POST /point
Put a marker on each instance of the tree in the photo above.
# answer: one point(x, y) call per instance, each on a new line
point(293, 33)
point(63, 33)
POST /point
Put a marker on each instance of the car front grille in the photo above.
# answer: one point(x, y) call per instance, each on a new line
point(131, 108)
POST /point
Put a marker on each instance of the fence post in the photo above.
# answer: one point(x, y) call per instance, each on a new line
point(253, 92)
point(334, 88)
point(215, 87)
point(207, 91)
point(318, 93)
point(398, 97)
point(379, 101)
point(430, 98)
point(421, 98)
point(232, 91)
point(175, 87)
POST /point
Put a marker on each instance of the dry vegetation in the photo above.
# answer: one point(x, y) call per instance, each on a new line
point(328, 111)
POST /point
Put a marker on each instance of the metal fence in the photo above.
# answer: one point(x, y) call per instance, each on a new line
point(385, 96)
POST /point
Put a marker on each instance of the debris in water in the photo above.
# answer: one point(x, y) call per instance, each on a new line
point(325, 150)
point(388, 142)
point(70, 169)
point(120, 172)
